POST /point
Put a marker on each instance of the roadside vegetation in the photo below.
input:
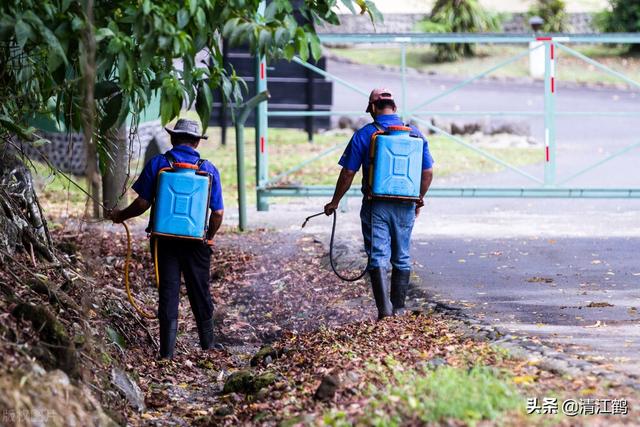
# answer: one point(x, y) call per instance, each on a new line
point(435, 394)
point(458, 16)
point(466, 59)
point(623, 16)
point(553, 14)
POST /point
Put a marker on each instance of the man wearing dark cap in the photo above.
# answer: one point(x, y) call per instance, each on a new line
point(386, 225)
point(180, 256)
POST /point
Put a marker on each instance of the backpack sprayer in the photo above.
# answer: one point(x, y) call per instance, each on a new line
point(395, 174)
point(180, 211)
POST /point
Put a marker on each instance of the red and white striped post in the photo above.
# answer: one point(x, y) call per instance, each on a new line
point(550, 88)
point(261, 126)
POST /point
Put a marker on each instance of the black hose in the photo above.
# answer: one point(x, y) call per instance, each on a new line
point(331, 261)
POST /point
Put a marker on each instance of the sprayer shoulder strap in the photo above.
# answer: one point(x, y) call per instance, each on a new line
point(384, 129)
point(379, 126)
point(413, 132)
point(170, 158)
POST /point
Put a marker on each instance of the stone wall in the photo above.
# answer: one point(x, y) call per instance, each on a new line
point(405, 23)
point(68, 153)
point(579, 23)
point(393, 23)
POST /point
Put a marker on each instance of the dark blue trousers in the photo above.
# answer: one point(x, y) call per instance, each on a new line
point(192, 260)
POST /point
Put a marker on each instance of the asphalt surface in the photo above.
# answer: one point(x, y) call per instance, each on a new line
point(579, 293)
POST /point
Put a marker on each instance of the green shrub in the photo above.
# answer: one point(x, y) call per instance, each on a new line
point(623, 17)
point(432, 396)
point(554, 13)
point(458, 16)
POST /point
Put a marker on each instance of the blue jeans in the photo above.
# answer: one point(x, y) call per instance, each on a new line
point(389, 225)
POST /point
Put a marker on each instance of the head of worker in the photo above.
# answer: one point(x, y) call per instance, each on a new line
point(381, 102)
point(186, 132)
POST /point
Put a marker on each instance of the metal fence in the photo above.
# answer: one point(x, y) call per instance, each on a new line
point(551, 184)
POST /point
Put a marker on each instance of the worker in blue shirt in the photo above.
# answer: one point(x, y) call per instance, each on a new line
point(386, 225)
point(180, 256)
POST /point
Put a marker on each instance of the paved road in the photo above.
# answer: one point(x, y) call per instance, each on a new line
point(582, 293)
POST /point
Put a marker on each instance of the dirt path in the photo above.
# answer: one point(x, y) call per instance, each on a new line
point(265, 285)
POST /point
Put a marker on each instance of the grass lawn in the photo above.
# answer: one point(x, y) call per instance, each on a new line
point(568, 68)
point(287, 148)
point(61, 197)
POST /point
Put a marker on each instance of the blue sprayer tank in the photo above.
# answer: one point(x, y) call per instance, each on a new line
point(396, 164)
point(182, 202)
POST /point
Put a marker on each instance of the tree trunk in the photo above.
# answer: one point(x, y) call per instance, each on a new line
point(88, 58)
point(115, 176)
point(22, 223)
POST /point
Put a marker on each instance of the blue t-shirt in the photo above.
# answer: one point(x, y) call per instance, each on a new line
point(357, 152)
point(145, 186)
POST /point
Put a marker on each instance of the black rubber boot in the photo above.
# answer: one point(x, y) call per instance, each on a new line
point(399, 289)
point(380, 286)
point(205, 332)
point(168, 332)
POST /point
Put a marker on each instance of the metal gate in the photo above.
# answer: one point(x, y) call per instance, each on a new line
point(551, 183)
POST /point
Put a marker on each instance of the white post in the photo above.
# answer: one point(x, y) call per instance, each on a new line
point(536, 60)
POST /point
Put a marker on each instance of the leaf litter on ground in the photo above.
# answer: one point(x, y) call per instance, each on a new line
point(274, 291)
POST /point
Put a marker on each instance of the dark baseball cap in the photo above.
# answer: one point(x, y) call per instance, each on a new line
point(379, 94)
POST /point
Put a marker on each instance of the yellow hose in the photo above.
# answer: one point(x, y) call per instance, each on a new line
point(155, 262)
point(127, 261)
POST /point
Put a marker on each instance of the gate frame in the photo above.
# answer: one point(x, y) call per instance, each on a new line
point(550, 186)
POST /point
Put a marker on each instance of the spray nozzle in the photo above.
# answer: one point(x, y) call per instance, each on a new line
point(309, 217)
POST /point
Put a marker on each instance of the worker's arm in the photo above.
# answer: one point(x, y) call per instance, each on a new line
point(425, 183)
point(342, 186)
point(136, 208)
point(215, 221)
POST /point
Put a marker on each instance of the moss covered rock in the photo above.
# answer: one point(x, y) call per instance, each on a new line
point(246, 382)
point(264, 380)
point(266, 351)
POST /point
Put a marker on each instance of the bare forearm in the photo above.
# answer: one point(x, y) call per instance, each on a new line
point(136, 208)
point(425, 182)
point(215, 221)
point(342, 186)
